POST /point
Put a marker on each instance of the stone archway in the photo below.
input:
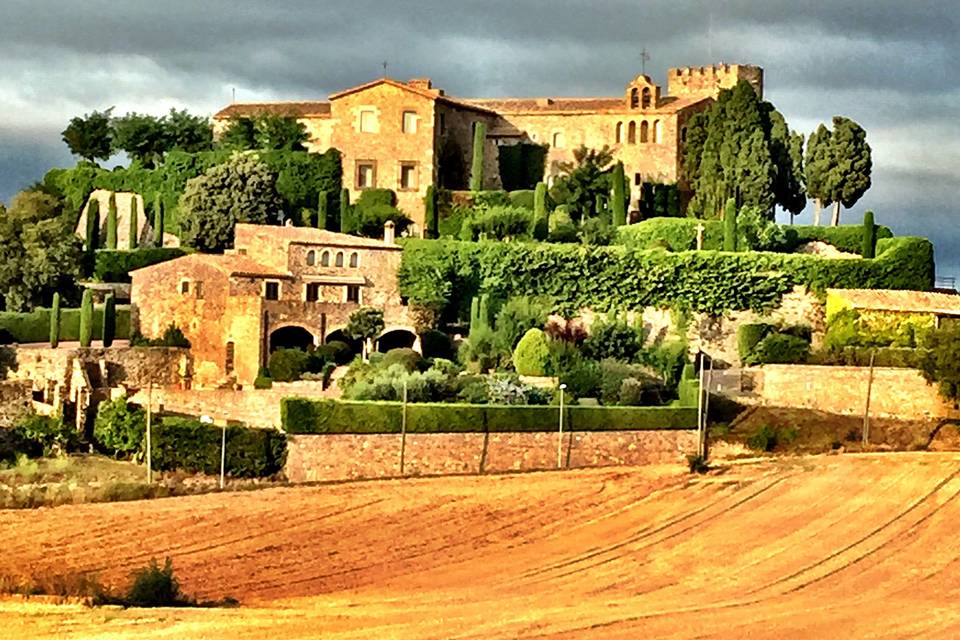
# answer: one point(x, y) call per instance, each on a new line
point(397, 338)
point(291, 337)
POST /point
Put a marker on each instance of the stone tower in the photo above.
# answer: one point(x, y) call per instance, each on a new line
point(706, 82)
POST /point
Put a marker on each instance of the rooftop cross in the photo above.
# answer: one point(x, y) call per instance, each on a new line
point(384, 63)
point(644, 57)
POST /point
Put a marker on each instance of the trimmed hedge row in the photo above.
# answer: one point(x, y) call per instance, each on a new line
point(115, 266)
point(300, 415)
point(190, 445)
point(448, 273)
point(34, 326)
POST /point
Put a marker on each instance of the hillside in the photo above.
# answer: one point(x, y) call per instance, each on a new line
point(828, 546)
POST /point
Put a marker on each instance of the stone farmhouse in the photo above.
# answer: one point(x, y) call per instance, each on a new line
point(396, 135)
point(278, 287)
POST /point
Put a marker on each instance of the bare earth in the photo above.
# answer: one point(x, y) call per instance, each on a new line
point(822, 547)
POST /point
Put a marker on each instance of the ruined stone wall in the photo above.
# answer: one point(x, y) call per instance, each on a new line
point(15, 401)
point(896, 393)
point(133, 367)
point(339, 457)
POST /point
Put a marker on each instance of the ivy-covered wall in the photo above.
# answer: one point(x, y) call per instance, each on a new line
point(449, 273)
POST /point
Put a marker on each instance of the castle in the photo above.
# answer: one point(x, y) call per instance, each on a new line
point(405, 136)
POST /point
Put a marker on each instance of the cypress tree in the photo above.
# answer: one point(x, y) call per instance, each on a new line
point(86, 318)
point(158, 221)
point(818, 169)
point(485, 310)
point(112, 222)
point(346, 217)
point(476, 167)
point(55, 321)
point(730, 225)
point(853, 165)
point(323, 202)
point(619, 202)
point(109, 320)
point(432, 221)
point(869, 248)
point(134, 221)
point(474, 313)
point(541, 217)
point(93, 226)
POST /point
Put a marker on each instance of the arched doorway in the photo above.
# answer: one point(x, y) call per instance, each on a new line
point(356, 346)
point(396, 339)
point(291, 338)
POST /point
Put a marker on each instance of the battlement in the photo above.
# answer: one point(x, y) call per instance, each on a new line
point(709, 80)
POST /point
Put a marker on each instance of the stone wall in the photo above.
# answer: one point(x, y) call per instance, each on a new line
point(132, 367)
point(15, 401)
point(344, 457)
point(896, 393)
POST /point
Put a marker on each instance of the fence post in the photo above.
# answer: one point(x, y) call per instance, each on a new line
point(403, 427)
point(866, 409)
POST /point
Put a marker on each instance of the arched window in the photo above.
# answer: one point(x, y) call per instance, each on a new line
point(354, 260)
point(339, 258)
point(644, 132)
point(632, 133)
point(311, 258)
point(325, 259)
point(646, 97)
point(619, 132)
point(634, 98)
point(558, 141)
point(657, 132)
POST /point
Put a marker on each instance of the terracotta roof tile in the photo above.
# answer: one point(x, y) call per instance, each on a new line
point(309, 235)
point(229, 263)
point(667, 104)
point(903, 301)
point(314, 109)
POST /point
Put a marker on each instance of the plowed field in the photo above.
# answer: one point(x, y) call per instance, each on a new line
point(829, 547)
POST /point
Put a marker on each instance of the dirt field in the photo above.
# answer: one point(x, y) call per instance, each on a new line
point(834, 546)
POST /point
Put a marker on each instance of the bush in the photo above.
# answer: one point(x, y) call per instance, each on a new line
point(119, 427)
point(522, 198)
point(288, 365)
point(532, 355)
point(766, 438)
point(155, 587)
point(940, 361)
point(748, 337)
point(614, 372)
point(341, 351)
point(597, 232)
point(115, 266)
point(38, 435)
point(583, 378)
point(631, 392)
point(372, 220)
point(517, 316)
point(613, 338)
point(181, 443)
point(437, 344)
point(34, 326)
point(172, 337)
point(780, 348)
point(498, 223)
point(409, 359)
point(561, 227)
point(376, 198)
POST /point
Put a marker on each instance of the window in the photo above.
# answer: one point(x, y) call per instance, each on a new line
point(368, 121)
point(637, 179)
point(366, 174)
point(271, 290)
point(339, 258)
point(634, 98)
point(409, 122)
point(558, 141)
point(184, 287)
point(325, 259)
point(619, 132)
point(311, 258)
point(646, 98)
point(198, 290)
point(408, 175)
point(312, 292)
point(657, 132)
point(353, 293)
point(632, 133)
point(228, 358)
point(644, 132)
point(354, 259)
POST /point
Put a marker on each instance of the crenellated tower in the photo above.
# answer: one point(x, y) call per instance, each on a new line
point(708, 81)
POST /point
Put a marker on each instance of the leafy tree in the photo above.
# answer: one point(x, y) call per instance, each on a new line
point(582, 180)
point(280, 132)
point(158, 221)
point(371, 219)
point(93, 227)
point(91, 136)
point(940, 361)
point(119, 427)
point(240, 190)
point(348, 223)
point(143, 137)
point(240, 135)
point(86, 319)
point(365, 324)
point(188, 132)
point(619, 202)
point(476, 166)
point(786, 151)
point(852, 165)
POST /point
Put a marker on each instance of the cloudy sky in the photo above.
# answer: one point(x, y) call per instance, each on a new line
point(887, 64)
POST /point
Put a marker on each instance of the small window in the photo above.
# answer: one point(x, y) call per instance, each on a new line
point(637, 179)
point(368, 121)
point(354, 260)
point(366, 175)
point(619, 132)
point(325, 259)
point(271, 290)
point(184, 287)
point(558, 140)
point(340, 258)
point(647, 98)
point(410, 121)
point(353, 293)
point(198, 290)
point(408, 175)
point(644, 132)
point(634, 98)
point(632, 133)
point(313, 292)
point(311, 258)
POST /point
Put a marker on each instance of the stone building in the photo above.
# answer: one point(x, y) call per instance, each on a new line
point(396, 135)
point(278, 287)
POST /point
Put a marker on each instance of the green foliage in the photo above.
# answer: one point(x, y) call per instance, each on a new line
point(498, 222)
point(561, 226)
point(300, 177)
point(409, 359)
point(86, 319)
point(172, 336)
point(55, 321)
point(371, 219)
point(34, 326)
point(158, 222)
point(476, 164)
point(838, 165)
point(613, 338)
point(90, 136)
point(619, 202)
point(432, 219)
point(120, 427)
point(597, 232)
point(517, 316)
point(660, 200)
point(283, 133)
point(240, 190)
point(155, 587)
point(781, 348)
point(92, 237)
point(541, 216)
point(532, 355)
point(181, 443)
point(37, 436)
point(187, 132)
point(263, 380)
point(134, 221)
point(582, 180)
point(348, 221)
point(323, 207)
point(288, 365)
point(239, 135)
point(940, 362)
point(730, 225)
point(112, 222)
point(748, 337)
point(437, 344)
point(869, 248)
point(766, 438)
point(524, 198)
point(365, 323)
point(583, 377)
point(115, 266)
point(521, 166)
point(109, 320)
point(143, 137)
point(303, 416)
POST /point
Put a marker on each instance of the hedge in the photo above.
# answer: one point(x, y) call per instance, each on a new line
point(115, 266)
point(187, 444)
point(34, 326)
point(449, 273)
point(303, 416)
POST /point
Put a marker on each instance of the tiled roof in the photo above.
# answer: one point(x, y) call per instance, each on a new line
point(309, 235)
point(315, 109)
point(668, 104)
point(903, 301)
point(229, 263)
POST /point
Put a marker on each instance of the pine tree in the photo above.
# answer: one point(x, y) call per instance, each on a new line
point(730, 225)
point(93, 226)
point(55, 322)
point(86, 318)
point(869, 248)
point(541, 217)
point(158, 221)
point(323, 203)
point(109, 320)
point(432, 221)
point(134, 221)
point(476, 167)
point(618, 202)
point(112, 222)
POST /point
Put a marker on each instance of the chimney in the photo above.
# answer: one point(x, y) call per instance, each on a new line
point(420, 83)
point(388, 232)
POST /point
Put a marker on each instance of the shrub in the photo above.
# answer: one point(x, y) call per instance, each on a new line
point(437, 344)
point(431, 213)
point(748, 337)
point(288, 365)
point(780, 348)
point(172, 336)
point(596, 232)
point(155, 587)
point(409, 359)
point(498, 222)
point(631, 392)
point(44, 435)
point(614, 372)
point(730, 226)
point(583, 378)
point(619, 202)
point(532, 355)
point(869, 246)
point(523, 198)
point(697, 463)
point(613, 338)
point(181, 443)
point(517, 316)
point(476, 165)
point(541, 217)
point(86, 319)
point(55, 321)
point(341, 351)
point(372, 219)
point(115, 266)
point(119, 427)
point(561, 227)
point(940, 361)
point(766, 438)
